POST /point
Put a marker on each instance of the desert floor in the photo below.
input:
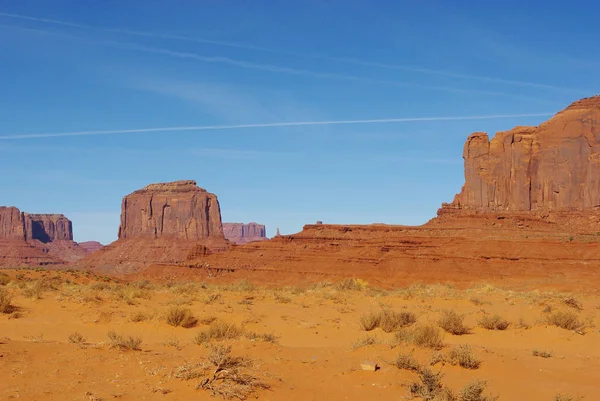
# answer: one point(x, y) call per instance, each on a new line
point(305, 343)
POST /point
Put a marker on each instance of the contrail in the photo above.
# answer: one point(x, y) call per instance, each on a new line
point(291, 53)
point(268, 125)
point(269, 67)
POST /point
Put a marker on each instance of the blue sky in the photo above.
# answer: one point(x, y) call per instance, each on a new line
point(80, 65)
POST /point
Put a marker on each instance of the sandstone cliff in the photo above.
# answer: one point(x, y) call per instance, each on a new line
point(178, 209)
point(552, 167)
point(48, 227)
point(166, 223)
point(11, 223)
point(241, 233)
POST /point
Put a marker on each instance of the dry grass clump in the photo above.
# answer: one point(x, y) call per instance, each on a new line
point(430, 387)
point(218, 331)
point(566, 397)
point(137, 317)
point(231, 377)
point(353, 284)
point(425, 336)
point(464, 357)
point(564, 319)
point(129, 293)
point(541, 353)
point(282, 299)
point(452, 323)
point(4, 278)
point(493, 322)
point(36, 289)
point(388, 321)
point(265, 337)
point(76, 338)
point(180, 317)
point(126, 343)
point(474, 392)
point(6, 305)
point(406, 361)
point(365, 342)
point(573, 303)
point(207, 320)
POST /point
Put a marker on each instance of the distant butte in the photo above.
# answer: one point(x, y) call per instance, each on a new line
point(241, 233)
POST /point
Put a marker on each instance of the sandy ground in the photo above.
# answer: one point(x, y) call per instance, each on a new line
point(315, 354)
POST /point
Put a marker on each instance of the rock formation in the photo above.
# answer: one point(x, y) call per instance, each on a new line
point(552, 167)
point(177, 209)
point(166, 223)
point(36, 239)
point(241, 233)
point(90, 246)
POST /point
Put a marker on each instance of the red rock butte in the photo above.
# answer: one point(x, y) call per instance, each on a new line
point(552, 167)
point(241, 233)
point(36, 239)
point(164, 223)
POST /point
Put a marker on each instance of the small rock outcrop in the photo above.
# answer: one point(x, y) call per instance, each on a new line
point(241, 233)
point(552, 167)
point(90, 246)
point(179, 209)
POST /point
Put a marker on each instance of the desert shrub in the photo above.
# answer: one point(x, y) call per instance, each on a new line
point(390, 321)
point(437, 357)
point(37, 288)
point(566, 397)
point(6, 305)
point(541, 353)
point(369, 321)
point(230, 377)
point(573, 303)
point(464, 357)
point(207, 320)
point(4, 278)
point(474, 392)
point(282, 299)
point(212, 298)
point(218, 331)
point(452, 323)
point(242, 285)
point(137, 317)
point(180, 317)
point(352, 284)
point(493, 322)
point(265, 337)
point(564, 319)
point(406, 362)
point(124, 342)
point(430, 387)
point(365, 342)
point(76, 338)
point(426, 336)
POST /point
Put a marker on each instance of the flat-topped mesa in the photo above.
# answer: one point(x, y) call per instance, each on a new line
point(552, 167)
point(241, 233)
point(11, 224)
point(48, 227)
point(179, 210)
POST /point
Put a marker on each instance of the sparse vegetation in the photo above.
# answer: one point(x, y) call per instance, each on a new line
point(474, 392)
point(573, 303)
point(6, 305)
point(265, 337)
point(353, 284)
point(76, 338)
point(564, 319)
point(430, 387)
point(365, 342)
point(452, 323)
point(426, 336)
point(493, 322)
point(566, 397)
point(4, 278)
point(464, 357)
point(388, 321)
point(137, 317)
point(406, 362)
point(126, 343)
point(541, 353)
point(218, 331)
point(230, 377)
point(282, 299)
point(180, 317)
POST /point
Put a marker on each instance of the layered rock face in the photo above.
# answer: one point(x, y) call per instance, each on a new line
point(177, 209)
point(36, 239)
point(166, 223)
point(48, 227)
point(553, 167)
point(11, 223)
point(241, 233)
